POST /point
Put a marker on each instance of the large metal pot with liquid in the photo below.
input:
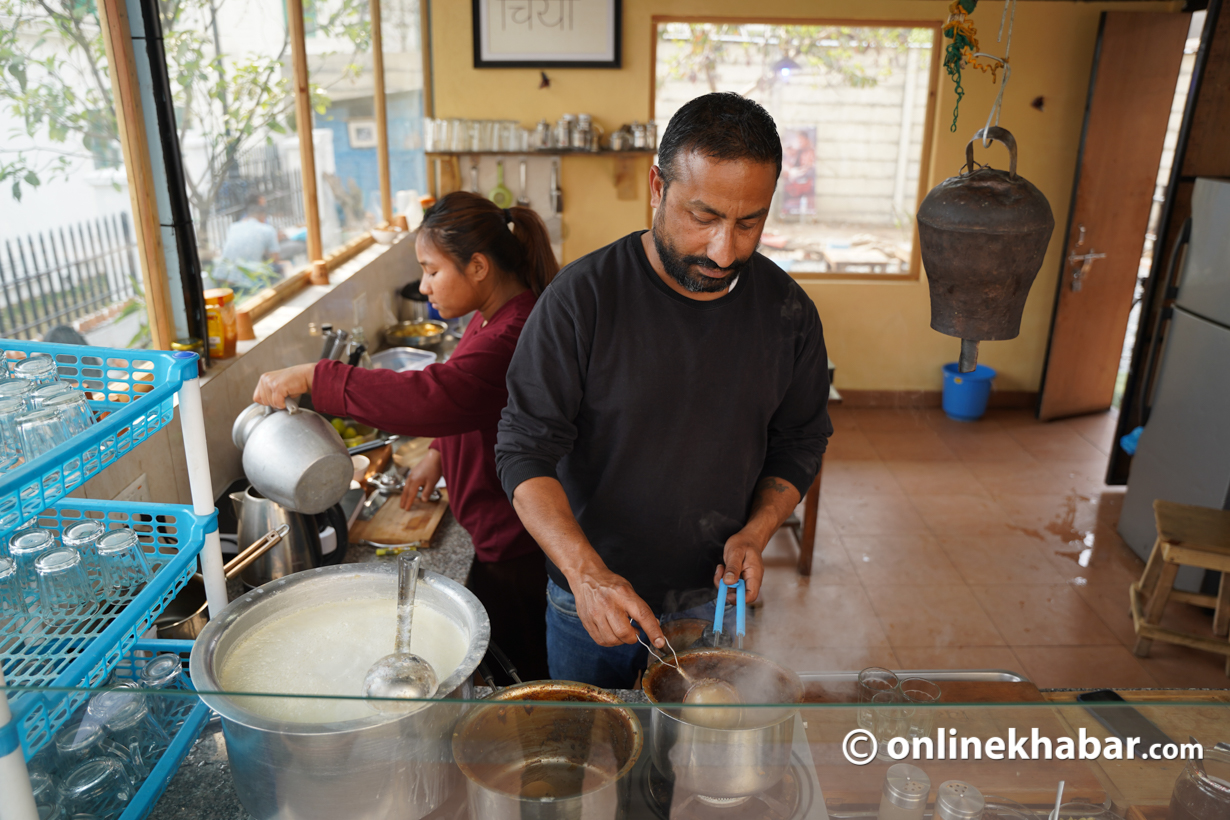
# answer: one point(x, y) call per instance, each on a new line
point(750, 752)
point(526, 759)
point(376, 766)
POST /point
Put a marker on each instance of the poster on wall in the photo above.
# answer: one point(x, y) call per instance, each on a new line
point(546, 33)
point(799, 170)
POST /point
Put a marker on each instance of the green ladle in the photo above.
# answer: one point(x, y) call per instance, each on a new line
point(500, 194)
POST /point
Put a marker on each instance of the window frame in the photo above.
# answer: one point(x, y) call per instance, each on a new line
point(929, 120)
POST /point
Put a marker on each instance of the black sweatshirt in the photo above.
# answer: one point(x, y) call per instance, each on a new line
point(659, 413)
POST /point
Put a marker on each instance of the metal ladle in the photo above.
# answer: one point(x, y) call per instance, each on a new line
point(401, 675)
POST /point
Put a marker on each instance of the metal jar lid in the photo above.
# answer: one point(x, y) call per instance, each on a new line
point(955, 800)
point(906, 786)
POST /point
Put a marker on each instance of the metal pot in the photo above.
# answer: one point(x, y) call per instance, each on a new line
point(983, 235)
point(293, 457)
point(385, 765)
point(411, 334)
point(187, 614)
point(541, 762)
point(724, 762)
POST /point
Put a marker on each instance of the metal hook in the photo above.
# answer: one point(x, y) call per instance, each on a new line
point(661, 659)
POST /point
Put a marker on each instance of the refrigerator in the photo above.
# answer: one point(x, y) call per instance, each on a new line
point(1184, 451)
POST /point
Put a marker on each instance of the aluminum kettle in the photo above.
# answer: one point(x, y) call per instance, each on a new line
point(293, 457)
point(983, 235)
point(300, 548)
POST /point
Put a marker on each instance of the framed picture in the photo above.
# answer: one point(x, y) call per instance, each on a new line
point(546, 33)
point(362, 133)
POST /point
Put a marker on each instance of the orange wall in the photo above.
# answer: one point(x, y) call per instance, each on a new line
point(878, 333)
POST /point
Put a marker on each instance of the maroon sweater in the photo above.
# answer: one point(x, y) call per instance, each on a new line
point(459, 403)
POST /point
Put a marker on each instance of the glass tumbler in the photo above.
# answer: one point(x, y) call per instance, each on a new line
point(83, 537)
point(64, 595)
point(10, 444)
point(39, 395)
point(76, 743)
point(40, 431)
point(127, 721)
point(38, 368)
point(19, 388)
point(162, 672)
point(918, 693)
point(25, 547)
point(124, 566)
point(74, 409)
point(98, 788)
point(872, 681)
point(889, 720)
point(12, 597)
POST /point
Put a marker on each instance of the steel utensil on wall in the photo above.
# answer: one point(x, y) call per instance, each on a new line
point(983, 236)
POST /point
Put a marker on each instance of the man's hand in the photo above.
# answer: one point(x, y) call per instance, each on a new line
point(605, 602)
point(741, 559)
point(772, 504)
point(276, 385)
point(422, 480)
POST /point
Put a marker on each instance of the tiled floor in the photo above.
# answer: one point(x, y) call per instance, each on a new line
point(984, 545)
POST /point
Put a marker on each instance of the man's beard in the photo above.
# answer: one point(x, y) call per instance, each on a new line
point(683, 268)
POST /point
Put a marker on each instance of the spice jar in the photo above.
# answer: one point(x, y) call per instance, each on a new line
point(1202, 791)
point(221, 322)
point(955, 800)
point(904, 795)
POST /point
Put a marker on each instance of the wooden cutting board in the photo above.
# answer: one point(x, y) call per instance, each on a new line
point(393, 525)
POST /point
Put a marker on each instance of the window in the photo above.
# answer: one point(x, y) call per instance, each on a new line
point(851, 107)
point(73, 270)
point(229, 65)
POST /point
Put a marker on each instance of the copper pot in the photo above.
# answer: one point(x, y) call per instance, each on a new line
point(731, 762)
point(540, 762)
point(983, 236)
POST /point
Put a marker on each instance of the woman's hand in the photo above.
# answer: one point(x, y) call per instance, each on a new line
point(422, 480)
point(274, 386)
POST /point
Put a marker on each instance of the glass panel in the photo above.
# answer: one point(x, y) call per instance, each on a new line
point(403, 84)
point(229, 65)
point(850, 105)
point(68, 275)
point(524, 752)
point(340, 71)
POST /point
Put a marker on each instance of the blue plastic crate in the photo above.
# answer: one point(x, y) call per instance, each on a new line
point(45, 673)
point(134, 388)
point(184, 723)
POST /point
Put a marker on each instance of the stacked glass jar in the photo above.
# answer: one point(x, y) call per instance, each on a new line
point(38, 411)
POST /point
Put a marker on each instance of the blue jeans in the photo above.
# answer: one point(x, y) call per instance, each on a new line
point(573, 655)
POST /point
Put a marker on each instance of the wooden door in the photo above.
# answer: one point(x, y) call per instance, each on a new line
point(1136, 66)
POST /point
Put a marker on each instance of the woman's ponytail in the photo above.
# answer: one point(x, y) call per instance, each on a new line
point(515, 239)
point(539, 266)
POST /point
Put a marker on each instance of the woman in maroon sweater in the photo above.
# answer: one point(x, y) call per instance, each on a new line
point(475, 257)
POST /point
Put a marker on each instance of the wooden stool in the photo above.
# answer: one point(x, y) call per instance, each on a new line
point(805, 530)
point(1186, 536)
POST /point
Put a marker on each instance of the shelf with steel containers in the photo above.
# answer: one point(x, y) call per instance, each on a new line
point(45, 662)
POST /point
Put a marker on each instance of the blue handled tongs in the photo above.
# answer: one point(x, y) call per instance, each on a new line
point(719, 614)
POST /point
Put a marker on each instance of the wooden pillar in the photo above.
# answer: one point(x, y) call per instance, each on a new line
point(303, 124)
point(134, 142)
point(382, 118)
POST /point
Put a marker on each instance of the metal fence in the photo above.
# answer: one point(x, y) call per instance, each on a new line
point(63, 274)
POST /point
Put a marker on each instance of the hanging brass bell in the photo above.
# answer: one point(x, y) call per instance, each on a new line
point(983, 235)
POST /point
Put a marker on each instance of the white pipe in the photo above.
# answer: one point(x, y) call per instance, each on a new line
point(196, 450)
point(18, 800)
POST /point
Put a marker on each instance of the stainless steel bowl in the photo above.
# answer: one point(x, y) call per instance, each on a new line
point(542, 762)
point(401, 359)
point(401, 335)
point(372, 767)
point(724, 762)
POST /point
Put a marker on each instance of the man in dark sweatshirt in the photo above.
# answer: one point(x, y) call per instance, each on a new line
point(667, 401)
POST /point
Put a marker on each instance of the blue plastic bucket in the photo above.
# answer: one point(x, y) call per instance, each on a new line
point(966, 394)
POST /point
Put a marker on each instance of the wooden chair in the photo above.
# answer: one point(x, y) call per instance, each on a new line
point(1186, 536)
point(805, 530)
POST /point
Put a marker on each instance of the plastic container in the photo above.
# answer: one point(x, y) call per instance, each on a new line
point(966, 394)
point(134, 388)
point(173, 536)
